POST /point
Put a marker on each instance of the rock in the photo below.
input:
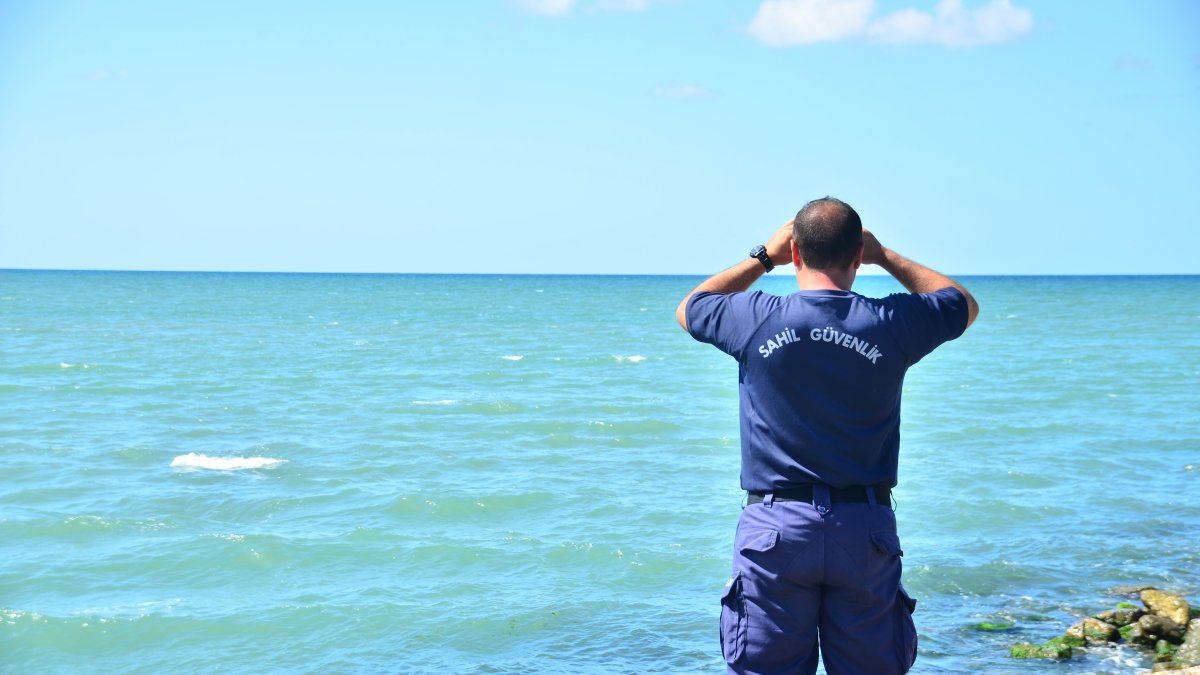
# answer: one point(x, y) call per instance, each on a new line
point(1025, 650)
point(1189, 651)
point(1151, 628)
point(1122, 616)
point(1164, 651)
point(1052, 649)
point(1167, 605)
point(1094, 631)
point(1070, 641)
point(1175, 669)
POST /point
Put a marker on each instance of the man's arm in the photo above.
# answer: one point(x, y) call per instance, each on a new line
point(914, 276)
point(742, 275)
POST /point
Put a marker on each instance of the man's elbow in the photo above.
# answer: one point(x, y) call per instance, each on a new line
point(681, 314)
point(972, 309)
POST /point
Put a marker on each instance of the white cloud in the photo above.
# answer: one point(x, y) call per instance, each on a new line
point(623, 5)
point(683, 91)
point(784, 23)
point(951, 25)
point(546, 7)
point(564, 7)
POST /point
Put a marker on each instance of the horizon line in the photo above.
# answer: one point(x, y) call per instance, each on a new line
point(555, 274)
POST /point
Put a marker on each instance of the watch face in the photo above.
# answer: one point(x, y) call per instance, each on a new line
point(757, 251)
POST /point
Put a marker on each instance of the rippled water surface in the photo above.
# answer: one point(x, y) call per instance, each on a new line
point(326, 473)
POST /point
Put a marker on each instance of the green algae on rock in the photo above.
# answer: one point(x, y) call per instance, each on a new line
point(1056, 648)
point(1172, 644)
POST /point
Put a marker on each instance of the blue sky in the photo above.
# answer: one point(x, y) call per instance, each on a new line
point(595, 136)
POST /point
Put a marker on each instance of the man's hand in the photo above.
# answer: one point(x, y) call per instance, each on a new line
point(779, 246)
point(914, 276)
point(872, 249)
point(742, 275)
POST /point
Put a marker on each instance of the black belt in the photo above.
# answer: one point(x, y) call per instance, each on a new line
point(804, 493)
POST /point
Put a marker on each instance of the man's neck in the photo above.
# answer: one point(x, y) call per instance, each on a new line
point(810, 279)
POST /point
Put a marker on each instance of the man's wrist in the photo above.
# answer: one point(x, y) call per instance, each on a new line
point(759, 253)
point(890, 261)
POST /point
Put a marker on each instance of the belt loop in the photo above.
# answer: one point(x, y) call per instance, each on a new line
point(768, 499)
point(871, 498)
point(821, 498)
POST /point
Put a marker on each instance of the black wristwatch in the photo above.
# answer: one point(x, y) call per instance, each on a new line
point(760, 252)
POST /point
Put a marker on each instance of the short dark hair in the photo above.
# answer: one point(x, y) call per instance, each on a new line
point(828, 232)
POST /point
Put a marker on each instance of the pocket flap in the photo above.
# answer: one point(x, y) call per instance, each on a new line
point(762, 540)
point(909, 601)
point(887, 542)
point(732, 586)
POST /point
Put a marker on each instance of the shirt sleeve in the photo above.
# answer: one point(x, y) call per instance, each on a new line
point(922, 321)
point(728, 320)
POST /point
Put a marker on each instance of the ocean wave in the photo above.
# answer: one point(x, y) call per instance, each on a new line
point(197, 461)
point(636, 358)
point(444, 401)
point(513, 357)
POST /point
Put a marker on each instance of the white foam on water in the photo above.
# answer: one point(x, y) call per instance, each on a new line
point(88, 521)
point(636, 358)
point(197, 461)
point(513, 357)
point(129, 610)
point(445, 401)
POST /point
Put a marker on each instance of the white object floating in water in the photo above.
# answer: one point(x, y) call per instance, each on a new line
point(196, 461)
point(514, 357)
point(636, 358)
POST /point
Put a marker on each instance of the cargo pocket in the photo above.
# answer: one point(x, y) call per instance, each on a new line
point(757, 541)
point(906, 630)
point(887, 543)
point(733, 620)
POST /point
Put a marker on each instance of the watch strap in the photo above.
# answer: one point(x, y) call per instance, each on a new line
point(760, 253)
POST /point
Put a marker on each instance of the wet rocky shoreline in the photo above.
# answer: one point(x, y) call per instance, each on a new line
point(1163, 624)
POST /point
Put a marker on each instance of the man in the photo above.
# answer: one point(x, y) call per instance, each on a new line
point(816, 556)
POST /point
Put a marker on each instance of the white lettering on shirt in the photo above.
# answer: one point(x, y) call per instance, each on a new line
point(787, 337)
point(868, 350)
point(829, 334)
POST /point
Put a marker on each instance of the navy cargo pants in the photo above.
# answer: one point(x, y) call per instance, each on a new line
point(817, 573)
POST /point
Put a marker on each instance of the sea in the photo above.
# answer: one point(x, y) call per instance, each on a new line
point(323, 473)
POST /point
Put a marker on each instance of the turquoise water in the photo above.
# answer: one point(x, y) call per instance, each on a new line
point(485, 474)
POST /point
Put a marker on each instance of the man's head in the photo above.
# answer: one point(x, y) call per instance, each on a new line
point(828, 233)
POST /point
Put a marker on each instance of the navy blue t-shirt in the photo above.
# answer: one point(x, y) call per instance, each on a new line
point(819, 377)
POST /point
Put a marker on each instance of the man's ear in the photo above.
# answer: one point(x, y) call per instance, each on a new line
point(858, 256)
point(796, 259)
